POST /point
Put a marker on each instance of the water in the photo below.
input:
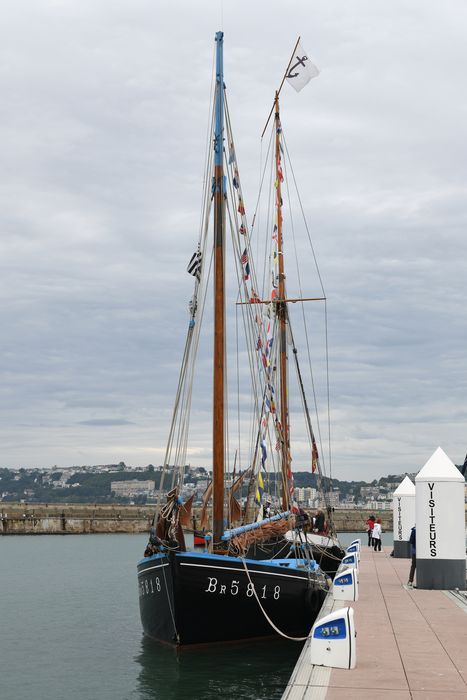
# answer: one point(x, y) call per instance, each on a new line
point(70, 628)
point(345, 538)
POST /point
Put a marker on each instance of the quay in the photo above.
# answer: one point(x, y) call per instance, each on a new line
point(411, 644)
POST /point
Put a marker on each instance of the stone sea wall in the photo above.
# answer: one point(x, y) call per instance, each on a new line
point(78, 519)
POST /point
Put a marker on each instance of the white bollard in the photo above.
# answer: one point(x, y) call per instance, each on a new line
point(403, 512)
point(353, 549)
point(333, 640)
point(440, 519)
point(350, 560)
point(345, 585)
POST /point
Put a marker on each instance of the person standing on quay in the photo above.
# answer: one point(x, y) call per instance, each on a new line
point(377, 530)
point(413, 551)
point(370, 524)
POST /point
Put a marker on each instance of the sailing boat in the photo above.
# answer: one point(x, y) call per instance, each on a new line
point(222, 594)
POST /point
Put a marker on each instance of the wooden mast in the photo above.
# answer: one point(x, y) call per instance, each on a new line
point(219, 304)
point(282, 316)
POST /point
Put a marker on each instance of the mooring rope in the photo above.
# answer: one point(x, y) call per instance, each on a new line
point(170, 605)
point(283, 634)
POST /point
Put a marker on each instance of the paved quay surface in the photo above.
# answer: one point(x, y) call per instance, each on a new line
point(411, 644)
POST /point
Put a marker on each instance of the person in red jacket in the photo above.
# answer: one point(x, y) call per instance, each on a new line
point(370, 525)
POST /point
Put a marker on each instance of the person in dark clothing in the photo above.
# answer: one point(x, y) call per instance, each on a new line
point(413, 552)
point(319, 521)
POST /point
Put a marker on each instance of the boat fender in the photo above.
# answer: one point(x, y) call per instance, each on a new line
point(312, 598)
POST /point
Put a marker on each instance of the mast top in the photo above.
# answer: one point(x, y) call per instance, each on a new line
point(280, 88)
point(219, 119)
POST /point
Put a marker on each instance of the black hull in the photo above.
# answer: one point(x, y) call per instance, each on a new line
point(327, 558)
point(189, 598)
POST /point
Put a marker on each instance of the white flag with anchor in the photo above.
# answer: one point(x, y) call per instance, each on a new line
point(300, 70)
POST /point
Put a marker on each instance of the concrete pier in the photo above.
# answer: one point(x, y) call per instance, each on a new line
point(411, 644)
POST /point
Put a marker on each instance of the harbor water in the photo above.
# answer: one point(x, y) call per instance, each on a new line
point(70, 628)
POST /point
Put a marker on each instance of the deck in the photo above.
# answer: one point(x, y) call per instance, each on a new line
point(411, 644)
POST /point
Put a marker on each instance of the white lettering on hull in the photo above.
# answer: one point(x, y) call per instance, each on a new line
point(213, 587)
point(251, 571)
point(149, 586)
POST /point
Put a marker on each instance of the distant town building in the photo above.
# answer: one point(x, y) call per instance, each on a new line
point(132, 488)
point(379, 505)
point(306, 496)
point(369, 492)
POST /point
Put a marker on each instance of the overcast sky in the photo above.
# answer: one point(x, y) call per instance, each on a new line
point(103, 126)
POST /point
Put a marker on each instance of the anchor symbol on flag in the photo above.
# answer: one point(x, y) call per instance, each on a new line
point(300, 62)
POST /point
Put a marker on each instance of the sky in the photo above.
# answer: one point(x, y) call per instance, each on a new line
point(103, 132)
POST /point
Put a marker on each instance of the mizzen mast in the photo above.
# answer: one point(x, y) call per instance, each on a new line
point(218, 433)
point(281, 311)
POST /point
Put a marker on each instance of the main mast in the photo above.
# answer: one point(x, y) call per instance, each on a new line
point(282, 316)
point(219, 303)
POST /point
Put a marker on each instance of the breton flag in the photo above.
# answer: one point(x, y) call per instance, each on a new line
point(194, 266)
point(300, 69)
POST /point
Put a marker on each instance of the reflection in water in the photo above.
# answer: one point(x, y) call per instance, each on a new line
point(254, 670)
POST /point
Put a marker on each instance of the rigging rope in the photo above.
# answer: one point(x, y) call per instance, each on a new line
point(325, 304)
point(302, 305)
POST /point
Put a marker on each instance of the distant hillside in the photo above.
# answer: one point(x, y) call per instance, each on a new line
point(92, 484)
point(92, 488)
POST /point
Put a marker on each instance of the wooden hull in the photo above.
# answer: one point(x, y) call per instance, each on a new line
point(188, 598)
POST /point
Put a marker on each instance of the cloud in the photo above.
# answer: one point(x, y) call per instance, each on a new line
point(105, 422)
point(103, 125)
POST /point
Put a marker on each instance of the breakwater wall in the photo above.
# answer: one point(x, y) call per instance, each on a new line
point(79, 519)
